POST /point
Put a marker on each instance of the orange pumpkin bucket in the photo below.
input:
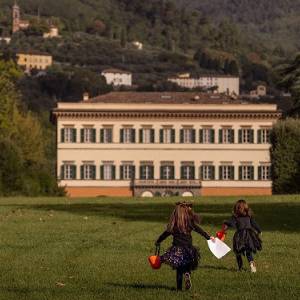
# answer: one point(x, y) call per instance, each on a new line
point(154, 260)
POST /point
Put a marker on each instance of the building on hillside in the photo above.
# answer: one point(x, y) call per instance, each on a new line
point(146, 144)
point(117, 77)
point(261, 91)
point(138, 45)
point(7, 40)
point(17, 23)
point(34, 60)
point(224, 84)
point(53, 33)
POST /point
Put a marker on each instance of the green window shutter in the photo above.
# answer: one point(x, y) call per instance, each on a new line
point(220, 173)
point(259, 173)
point(232, 172)
point(94, 135)
point(193, 136)
point(102, 135)
point(173, 132)
point(102, 172)
point(161, 172)
point(201, 136)
point(152, 133)
point(151, 172)
point(62, 135)
point(82, 135)
point(181, 136)
point(74, 172)
point(240, 136)
point(62, 172)
point(269, 136)
point(251, 136)
point(133, 135)
point(113, 172)
point(259, 137)
point(232, 136)
point(121, 172)
point(172, 176)
point(182, 172)
point(240, 173)
point(122, 136)
point(74, 132)
point(94, 172)
point(141, 134)
point(141, 172)
point(252, 172)
point(201, 172)
point(213, 176)
point(161, 136)
point(212, 136)
point(81, 172)
point(220, 136)
point(132, 172)
point(192, 172)
point(110, 135)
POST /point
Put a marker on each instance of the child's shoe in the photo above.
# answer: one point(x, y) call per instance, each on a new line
point(252, 267)
point(187, 281)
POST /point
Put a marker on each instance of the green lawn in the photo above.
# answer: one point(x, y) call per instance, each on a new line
point(98, 249)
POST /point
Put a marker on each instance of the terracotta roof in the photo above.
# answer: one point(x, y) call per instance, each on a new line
point(33, 52)
point(166, 97)
point(115, 71)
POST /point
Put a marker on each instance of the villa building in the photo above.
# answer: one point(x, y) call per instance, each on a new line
point(34, 60)
point(147, 144)
point(224, 84)
point(117, 77)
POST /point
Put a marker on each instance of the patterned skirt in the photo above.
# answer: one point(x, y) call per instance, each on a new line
point(181, 257)
point(246, 240)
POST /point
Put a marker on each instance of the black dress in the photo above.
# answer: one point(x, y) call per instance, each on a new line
point(182, 253)
point(246, 238)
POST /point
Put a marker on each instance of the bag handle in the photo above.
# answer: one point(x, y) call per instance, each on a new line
point(157, 250)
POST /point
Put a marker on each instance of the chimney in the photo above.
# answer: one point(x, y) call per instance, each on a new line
point(86, 96)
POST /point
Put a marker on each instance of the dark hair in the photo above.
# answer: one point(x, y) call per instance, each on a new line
point(241, 209)
point(182, 218)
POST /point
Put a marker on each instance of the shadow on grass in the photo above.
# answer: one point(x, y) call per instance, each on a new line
point(143, 286)
point(217, 268)
point(282, 217)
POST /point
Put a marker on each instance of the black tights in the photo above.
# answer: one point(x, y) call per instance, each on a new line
point(239, 258)
point(179, 276)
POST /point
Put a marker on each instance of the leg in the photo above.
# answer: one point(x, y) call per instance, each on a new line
point(239, 261)
point(179, 277)
point(251, 261)
point(187, 279)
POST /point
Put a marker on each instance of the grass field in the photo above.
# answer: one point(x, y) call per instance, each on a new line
point(98, 249)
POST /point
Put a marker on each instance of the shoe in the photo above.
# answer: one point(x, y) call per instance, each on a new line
point(187, 281)
point(252, 267)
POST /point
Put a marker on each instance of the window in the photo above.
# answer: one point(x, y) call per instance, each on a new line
point(167, 172)
point(68, 172)
point(88, 135)
point(226, 136)
point(246, 173)
point(88, 172)
point(167, 136)
point(263, 136)
point(147, 136)
point(108, 172)
point(127, 135)
point(147, 172)
point(246, 136)
point(226, 172)
point(106, 135)
point(207, 172)
point(264, 173)
point(68, 135)
point(207, 136)
point(127, 172)
point(187, 172)
point(187, 136)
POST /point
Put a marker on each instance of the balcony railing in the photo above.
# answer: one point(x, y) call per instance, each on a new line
point(166, 183)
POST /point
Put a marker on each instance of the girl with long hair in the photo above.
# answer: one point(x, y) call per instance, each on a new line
point(182, 255)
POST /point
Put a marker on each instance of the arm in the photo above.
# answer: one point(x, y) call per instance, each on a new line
point(162, 237)
point(255, 225)
point(201, 231)
point(230, 223)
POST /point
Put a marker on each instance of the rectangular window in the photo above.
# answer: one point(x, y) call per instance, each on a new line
point(147, 136)
point(226, 172)
point(68, 172)
point(207, 136)
point(127, 135)
point(167, 172)
point(264, 136)
point(246, 136)
point(226, 136)
point(88, 172)
point(207, 172)
point(167, 136)
point(187, 172)
point(246, 173)
point(108, 172)
point(106, 135)
point(127, 172)
point(147, 172)
point(187, 136)
point(68, 135)
point(88, 135)
point(264, 173)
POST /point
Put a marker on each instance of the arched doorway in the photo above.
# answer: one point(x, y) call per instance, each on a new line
point(147, 194)
point(187, 194)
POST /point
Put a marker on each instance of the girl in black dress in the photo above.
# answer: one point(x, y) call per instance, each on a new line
point(182, 256)
point(246, 240)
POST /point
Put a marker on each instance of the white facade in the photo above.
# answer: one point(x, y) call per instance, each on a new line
point(117, 77)
point(214, 150)
point(225, 84)
point(53, 33)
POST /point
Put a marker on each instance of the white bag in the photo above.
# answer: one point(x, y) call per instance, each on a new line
point(218, 248)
